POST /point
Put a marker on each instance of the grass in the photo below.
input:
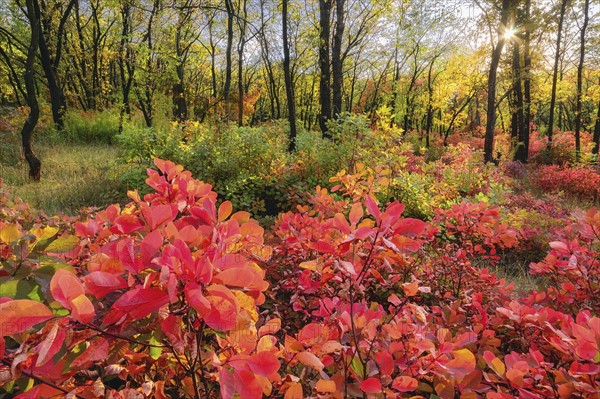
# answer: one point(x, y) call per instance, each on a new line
point(73, 176)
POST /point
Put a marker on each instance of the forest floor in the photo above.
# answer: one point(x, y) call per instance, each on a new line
point(73, 176)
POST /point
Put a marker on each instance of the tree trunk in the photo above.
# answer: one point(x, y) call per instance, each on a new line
point(241, 44)
point(578, 118)
point(563, 7)
point(49, 65)
point(125, 61)
point(522, 153)
point(289, 86)
point(227, 85)
point(325, 66)
point(35, 164)
point(517, 116)
point(488, 146)
point(337, 67)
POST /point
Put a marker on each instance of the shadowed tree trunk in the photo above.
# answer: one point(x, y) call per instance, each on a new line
point(336, 58)
point(50, 63)
point(289, 87)
point(578, 118)
point(227, 85)
point(488, 146)
point(563, 7)
point(522, 153)
point(35, 164)
point(325, 65)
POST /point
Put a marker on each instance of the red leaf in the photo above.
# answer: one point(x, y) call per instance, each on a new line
point(101, 283)
point(96, 352)
point(371, 385)
point(264, 363)
point(126, 224)
point(372, 207)
point(65, 286)
point(150, 246)
point(405, 384)
point(410, 227)
point(50, 345)
point(386, 362)
point(159, 214)
point(223, 308)
point(140, 302)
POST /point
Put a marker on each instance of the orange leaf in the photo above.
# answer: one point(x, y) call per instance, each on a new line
point(326, 386)
point(310, 360)
point(410, 289)
point(20, 315)
point(294, 391)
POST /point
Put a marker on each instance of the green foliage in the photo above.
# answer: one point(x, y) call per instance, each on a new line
point(86, 127)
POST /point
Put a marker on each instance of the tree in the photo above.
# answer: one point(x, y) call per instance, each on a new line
point(578, 116)
point(563, 8)
point(488, 146)
point(50, 62)
point(324, 65)
point(337, 62)
point(289, 86)
point(522, 153)
point(35, 164)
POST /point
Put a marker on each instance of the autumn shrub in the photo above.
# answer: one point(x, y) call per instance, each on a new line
point(174, 295)
point(582, 182)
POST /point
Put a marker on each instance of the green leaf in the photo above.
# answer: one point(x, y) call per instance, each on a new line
point(357, 367)
point(21, 289)
point(63, 245)
point(154, 351)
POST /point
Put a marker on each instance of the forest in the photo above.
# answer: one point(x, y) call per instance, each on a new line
point(329, 199)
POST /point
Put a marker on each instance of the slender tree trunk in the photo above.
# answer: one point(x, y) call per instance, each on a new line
point(337, 67)
point(488, 146)
point(125, 61)
point(58, 102)
point(578, 116)
point(563, 8)
point(517, 115)
point(325, 65)
point(180, 108)
point(523, 149)
point(289, 86)
point(35, 164)
point(241, 44)
point(227, 85)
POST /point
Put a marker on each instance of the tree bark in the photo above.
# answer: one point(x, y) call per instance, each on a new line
point(242, 22)
point(578, 117)
point(227, 85)
point(35, 164)
point(337, 67)
point(289, 86)
point(517, 114)
point(596, 148)
point(325, 66)
point(488, 146)
point(563, 7)
point(58, 102)
point(522, 153)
